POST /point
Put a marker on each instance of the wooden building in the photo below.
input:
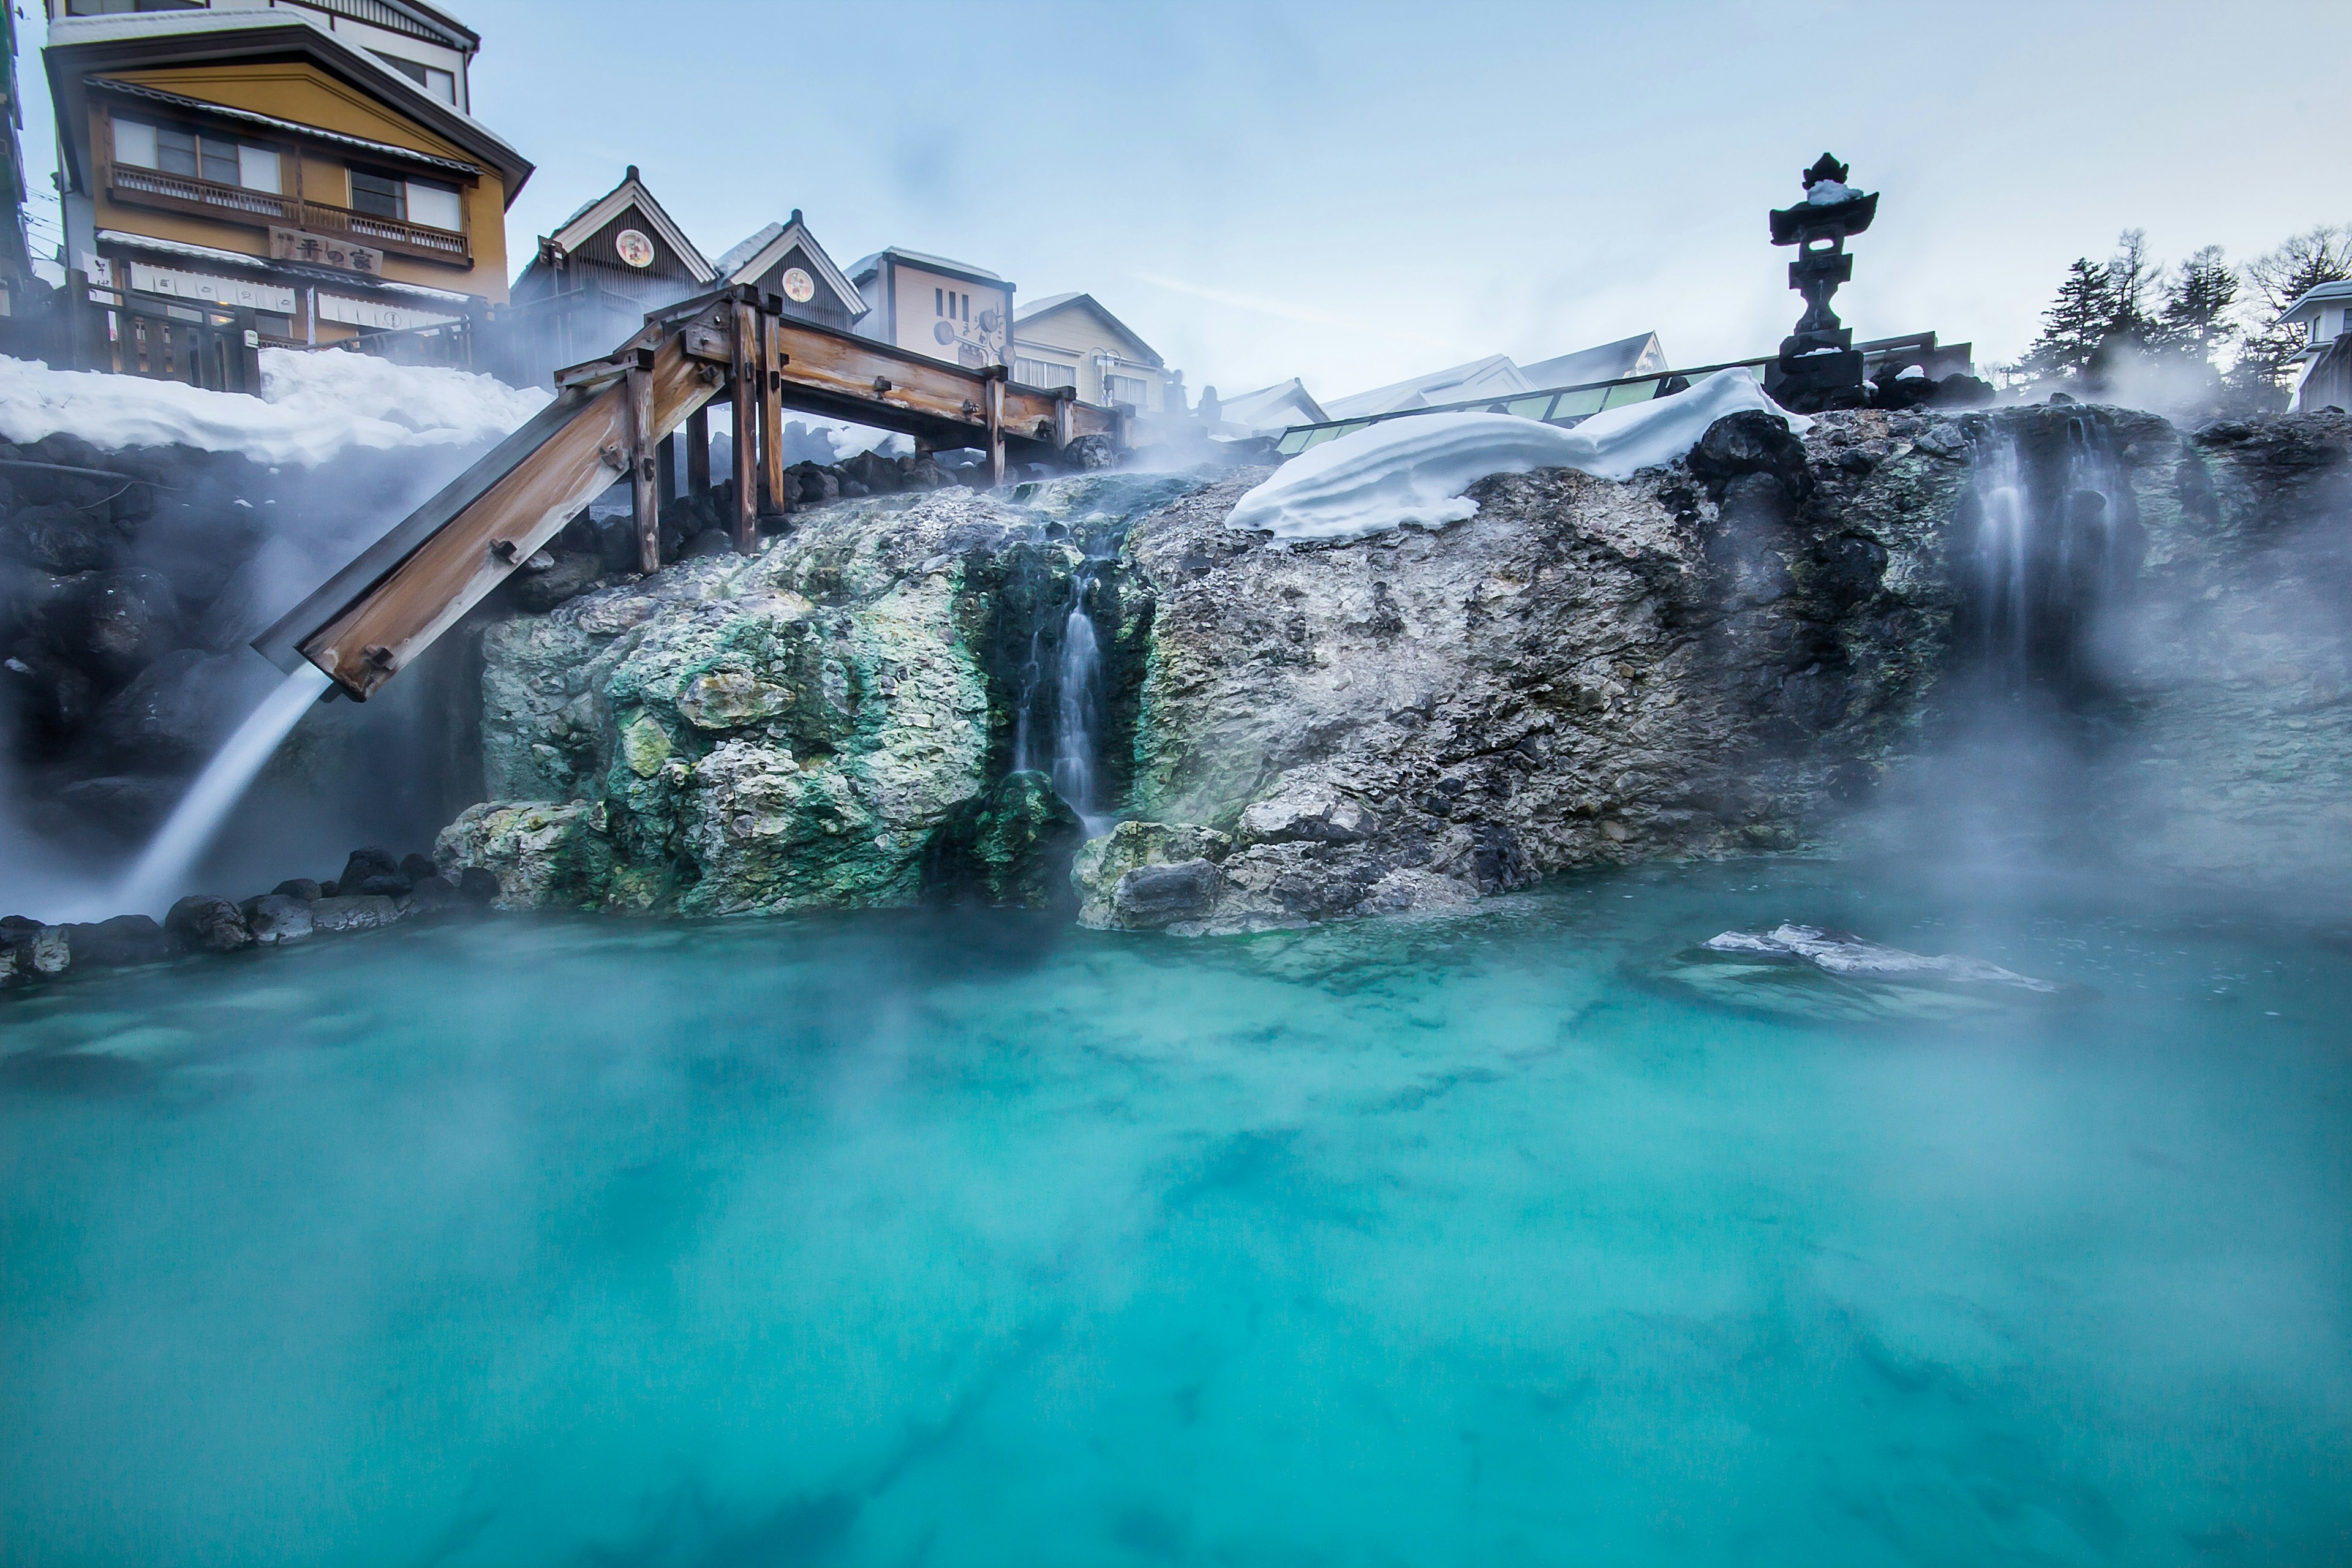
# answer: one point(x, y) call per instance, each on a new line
point(298, 172)
point(785, 259)
point(594, 280)
point(1070, 340)
point(948, 310)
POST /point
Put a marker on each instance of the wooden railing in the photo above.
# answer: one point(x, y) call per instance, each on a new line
point(235, 203)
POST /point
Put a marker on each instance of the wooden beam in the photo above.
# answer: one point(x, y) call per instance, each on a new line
point(773, 502)
point(745, 384)
point(398, 603)
point(645, 503)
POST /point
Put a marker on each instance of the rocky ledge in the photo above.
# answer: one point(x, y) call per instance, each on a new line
point(1716, 657)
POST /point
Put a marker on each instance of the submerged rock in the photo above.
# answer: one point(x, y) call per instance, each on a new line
point(360, 911)
point(1838, 953)
point(278, 920)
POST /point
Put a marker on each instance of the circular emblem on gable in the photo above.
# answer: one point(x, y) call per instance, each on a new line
point(799, 287)
point(634, 247)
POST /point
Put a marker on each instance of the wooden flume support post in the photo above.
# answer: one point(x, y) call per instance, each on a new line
point(773, 502)
point(744, 386)
point(697, 452)
point(645, 503)
point(992, 414)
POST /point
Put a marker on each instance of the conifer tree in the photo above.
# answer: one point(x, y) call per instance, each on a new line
point(2076, 323)
point(2195, 321)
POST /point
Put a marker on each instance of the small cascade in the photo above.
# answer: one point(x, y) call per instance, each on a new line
point(2057, 539)
point(189, 831)
point(1060, 718)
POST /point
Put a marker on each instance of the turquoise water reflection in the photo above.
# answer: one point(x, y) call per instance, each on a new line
point(1444, 1242)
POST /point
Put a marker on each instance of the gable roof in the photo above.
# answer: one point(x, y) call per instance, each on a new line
point(762, 250)
point(866, 266)
point(1053, 304)
point(1494, 375)
point(1608, 362)
point(131, 39)
point(1253, 408)
point(581, 226)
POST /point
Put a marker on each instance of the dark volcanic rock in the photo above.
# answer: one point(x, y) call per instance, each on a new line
point(430, 895)
point(61, 538)
point(383, 884)
point(567, 576)
point(362, 864)
point(125, 806)
point(416, 867)
point(300, 888)
point(1086, 453)
point(204, 923)
point(127, 620)
point(477, 887)
point(51, 697)
point(1010, 846)
point(122, 941)
point(179, 709)
point(1751, 442)
point(1162, 895)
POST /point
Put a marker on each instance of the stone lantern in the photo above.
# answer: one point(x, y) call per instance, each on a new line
point(1819, 366)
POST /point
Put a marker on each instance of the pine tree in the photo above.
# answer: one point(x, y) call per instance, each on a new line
point(2195, 321)
point(2076, 323)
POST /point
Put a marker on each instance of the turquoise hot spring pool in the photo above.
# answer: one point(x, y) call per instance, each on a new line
point(1504, 1238)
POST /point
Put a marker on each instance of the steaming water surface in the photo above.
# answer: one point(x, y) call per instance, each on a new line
point(1448, 1242)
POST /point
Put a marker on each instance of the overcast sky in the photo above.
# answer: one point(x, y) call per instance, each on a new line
point(1358, 192)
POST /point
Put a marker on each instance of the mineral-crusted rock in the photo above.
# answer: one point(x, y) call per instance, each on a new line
point(1586, 671)
point(780, 732)
point(31, 953)
point(202, 922)
point(544, 854)
point(1010, 846)
point(1103, 865)
point(360, 911)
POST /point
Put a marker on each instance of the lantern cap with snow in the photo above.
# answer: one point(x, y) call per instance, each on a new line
point(1819, 366)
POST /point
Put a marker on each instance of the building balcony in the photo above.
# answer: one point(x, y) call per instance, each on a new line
point(265, 209)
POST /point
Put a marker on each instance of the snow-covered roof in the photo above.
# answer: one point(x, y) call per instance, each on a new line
point(1494, 376)
point(1275, 407)
point(870, 264)
point(2309, 303)
point(764, 249)
point(581, 226)
point(1608, 362)
point(71, 38)
point(1051, 302)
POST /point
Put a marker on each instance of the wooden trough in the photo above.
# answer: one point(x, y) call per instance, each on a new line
point(608, 420)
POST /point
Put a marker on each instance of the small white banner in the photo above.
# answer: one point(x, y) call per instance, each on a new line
point(231, 291)
point(380, 317)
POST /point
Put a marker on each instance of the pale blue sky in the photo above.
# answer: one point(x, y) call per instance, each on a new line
point(1357, 193)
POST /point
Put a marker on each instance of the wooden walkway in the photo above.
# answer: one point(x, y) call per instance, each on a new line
point(607, 422)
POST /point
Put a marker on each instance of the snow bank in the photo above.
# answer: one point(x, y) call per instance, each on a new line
point(1415, 470)
point(312, 406)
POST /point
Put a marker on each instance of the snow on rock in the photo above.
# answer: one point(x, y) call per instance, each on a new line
point(1415, 470)
point(312, 406)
